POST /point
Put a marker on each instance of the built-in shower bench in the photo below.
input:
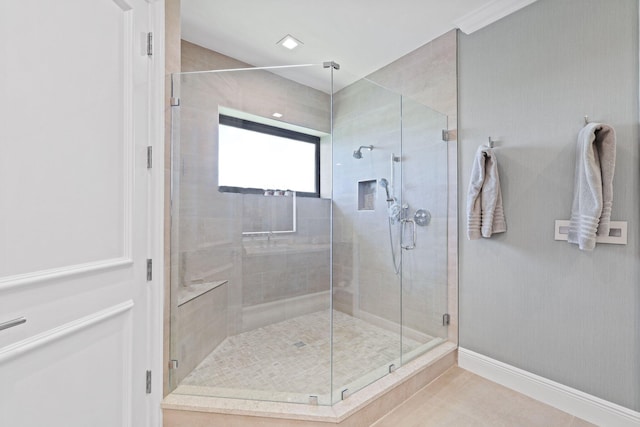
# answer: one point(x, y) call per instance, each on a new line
point(194, 290)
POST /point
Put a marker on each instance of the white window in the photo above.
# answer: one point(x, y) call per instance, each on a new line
point(254, 157)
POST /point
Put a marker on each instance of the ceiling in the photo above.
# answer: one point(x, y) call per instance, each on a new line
point(360, 35)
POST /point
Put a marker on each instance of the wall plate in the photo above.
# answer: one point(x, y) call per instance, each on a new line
point(617, 232)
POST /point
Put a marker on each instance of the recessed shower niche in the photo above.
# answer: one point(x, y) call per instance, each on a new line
point(367, 195)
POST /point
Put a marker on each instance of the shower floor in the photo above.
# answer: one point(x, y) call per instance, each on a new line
point(291, 360)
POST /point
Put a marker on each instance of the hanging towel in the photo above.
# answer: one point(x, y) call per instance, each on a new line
point(593, 185)
point(485, 214)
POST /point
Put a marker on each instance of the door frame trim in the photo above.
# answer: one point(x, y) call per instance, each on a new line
point(156, 210)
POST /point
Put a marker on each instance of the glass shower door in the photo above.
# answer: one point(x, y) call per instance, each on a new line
point(389, 233)
point(424, 239)
point(366, 254)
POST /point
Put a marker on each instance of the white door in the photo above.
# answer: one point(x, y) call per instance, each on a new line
point(76, 117)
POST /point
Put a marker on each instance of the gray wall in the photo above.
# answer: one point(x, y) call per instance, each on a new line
point(525, 299)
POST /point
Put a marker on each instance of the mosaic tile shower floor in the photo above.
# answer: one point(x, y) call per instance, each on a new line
point(291, 360)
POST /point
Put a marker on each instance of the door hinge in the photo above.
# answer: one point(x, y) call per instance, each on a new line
point(449, 134)
point(148, 387)
point(149, 270)
point(446, 319)
point(149, 157)
point(149, 44)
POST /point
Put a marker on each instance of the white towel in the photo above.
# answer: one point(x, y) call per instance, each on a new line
point(593, 185)
point(485, 214)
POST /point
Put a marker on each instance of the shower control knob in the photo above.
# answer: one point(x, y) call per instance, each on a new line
point(422, 217)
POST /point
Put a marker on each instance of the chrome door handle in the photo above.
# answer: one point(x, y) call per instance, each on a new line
point(12, 323)
point(414, 234)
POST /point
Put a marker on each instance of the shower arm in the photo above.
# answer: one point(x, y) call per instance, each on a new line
point(358, 153)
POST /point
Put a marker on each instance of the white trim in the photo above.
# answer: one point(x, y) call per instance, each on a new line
point(488, 14)
point(156, 204)
point(27, 345)
point(8, 282)
point(570, 400)
point(124, 5)
point(128, 370)
point(128, 136)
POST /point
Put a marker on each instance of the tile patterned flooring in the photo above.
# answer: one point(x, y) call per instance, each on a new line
point(460, 398)
point(290, 360)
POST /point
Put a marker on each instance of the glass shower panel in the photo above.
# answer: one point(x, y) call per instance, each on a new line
point(250, 267)
point(366, 253)
point(424, 254)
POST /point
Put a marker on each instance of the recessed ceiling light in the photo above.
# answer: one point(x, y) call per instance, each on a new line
point(290, 42)
point(277, 115)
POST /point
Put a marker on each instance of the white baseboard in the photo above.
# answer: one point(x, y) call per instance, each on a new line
point(567, 399)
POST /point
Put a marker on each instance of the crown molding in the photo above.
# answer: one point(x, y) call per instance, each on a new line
point(488, 14)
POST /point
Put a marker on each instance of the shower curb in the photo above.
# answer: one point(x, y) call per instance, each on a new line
point(363, 407)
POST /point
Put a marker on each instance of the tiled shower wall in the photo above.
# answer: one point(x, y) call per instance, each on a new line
point(285, 274)
point(287, 265)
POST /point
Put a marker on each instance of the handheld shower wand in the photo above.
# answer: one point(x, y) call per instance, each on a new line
point(394, 212)
point(385, 184)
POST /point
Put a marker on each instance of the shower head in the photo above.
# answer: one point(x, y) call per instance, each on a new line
point(385, 184)
point(357, 154)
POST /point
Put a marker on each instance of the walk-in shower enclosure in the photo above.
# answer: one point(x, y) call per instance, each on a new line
point(302, 283)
